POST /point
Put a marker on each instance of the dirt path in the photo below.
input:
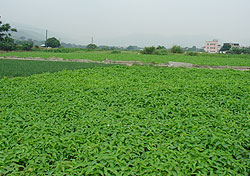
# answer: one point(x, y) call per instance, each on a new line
point(130, 63)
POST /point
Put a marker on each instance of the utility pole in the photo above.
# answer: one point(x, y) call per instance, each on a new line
point(92, 40)
point(46, 34)
point(46, 37)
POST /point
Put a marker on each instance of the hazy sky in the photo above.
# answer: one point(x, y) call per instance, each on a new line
point(119, 22)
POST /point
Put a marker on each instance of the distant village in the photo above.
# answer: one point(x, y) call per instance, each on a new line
point(215, 47)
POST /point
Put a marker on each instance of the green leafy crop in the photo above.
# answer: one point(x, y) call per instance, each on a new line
point(201, 59)
point(14, 68)
point(126, 121)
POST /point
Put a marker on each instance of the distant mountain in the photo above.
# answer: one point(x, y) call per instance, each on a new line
point(30, 32)
point(70, 45)
point(38, 36)
point(137, 39)
point(155, 40)
point(27, 32)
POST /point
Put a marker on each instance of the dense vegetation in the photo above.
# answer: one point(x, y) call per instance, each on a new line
point(239, 50)
point(160, 50)
point(200, 59)
point(126, 121)
point(6, 42)
point(52, 42)
point(13, 68)
point(177, 49)
point(228, 48)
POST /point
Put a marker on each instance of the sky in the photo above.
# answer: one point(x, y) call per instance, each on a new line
point(135, 22)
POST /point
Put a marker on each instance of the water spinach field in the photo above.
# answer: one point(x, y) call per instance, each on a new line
point(123, 120)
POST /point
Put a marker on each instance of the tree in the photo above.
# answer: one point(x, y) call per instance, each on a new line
point(160, 52)
point(27, 46)
point(91, 46)
point(177, 49)
point(194, 48)
point(148, 50)
point(235, 50)
point(226, 47)
point(132, 48)
point(160, 47)
point(53, 43)
point(6, 42)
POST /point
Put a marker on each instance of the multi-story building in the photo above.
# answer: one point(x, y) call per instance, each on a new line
point(212, 46)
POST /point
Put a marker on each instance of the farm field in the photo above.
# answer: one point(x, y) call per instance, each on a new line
point(13, 68)
point(122, 120)
point(203, 59)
